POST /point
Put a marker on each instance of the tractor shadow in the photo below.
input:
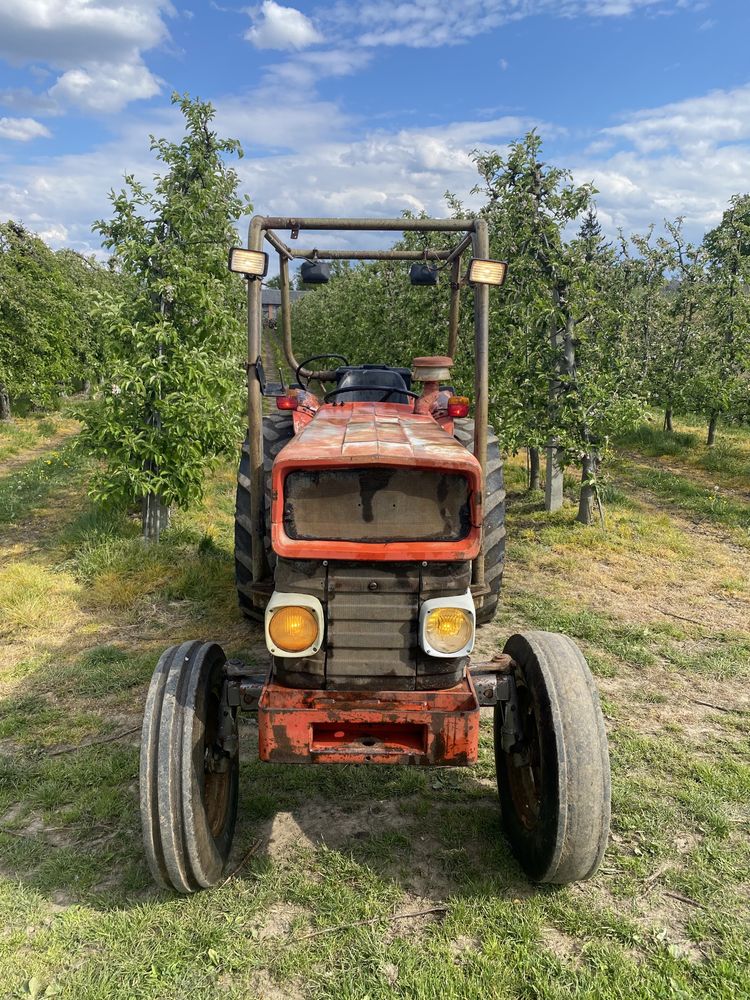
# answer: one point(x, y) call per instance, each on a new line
point(70, 827)
point(434, 833)
point(429, 833)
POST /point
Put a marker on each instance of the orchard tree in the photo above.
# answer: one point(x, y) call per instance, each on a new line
point(722, 382)
point(51, 339)
point(668, 310)
point(602, 399)
point(544, 396)
point(640, 280)
point(172, 399)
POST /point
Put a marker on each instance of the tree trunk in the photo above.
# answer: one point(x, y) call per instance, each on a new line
point(534, 469)
point(154, 517)
point(4, 403)
point(713, 421)
point(553, 486)
point(562, 342)
point(668, 419)
point(588, 490)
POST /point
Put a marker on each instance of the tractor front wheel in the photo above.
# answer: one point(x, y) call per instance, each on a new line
point(189, 772)
point(552, 761)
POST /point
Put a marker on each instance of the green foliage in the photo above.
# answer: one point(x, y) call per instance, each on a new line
point(721, 382)
point(558, 295)
point(52, 338)
point(172, 401)
point(584, 335)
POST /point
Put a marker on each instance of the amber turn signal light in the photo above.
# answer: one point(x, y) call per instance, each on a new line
point(448, 629)
point(293, 628)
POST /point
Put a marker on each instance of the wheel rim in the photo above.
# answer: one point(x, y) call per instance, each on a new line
point(525, 778)
point(216, 784)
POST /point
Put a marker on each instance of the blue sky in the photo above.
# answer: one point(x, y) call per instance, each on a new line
point(371, 108)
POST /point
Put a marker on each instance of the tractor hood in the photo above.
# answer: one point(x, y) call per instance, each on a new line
point(375, 481)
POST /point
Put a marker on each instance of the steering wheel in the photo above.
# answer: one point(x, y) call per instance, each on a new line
point(316, 357)
point(390, 389)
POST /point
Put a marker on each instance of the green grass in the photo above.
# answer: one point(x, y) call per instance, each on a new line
point(649, 439)
point(18, 435)
point(40, 480)
point(703, 502)
point(86, 613)
point(727, 462)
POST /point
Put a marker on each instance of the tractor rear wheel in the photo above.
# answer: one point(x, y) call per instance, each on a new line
point(493, 530)
point(278, 430)
point(189, 773)
point(554, 784)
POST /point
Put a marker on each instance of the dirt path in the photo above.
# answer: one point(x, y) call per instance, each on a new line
point(64, 433)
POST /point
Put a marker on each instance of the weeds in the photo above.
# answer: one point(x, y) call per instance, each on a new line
point(84, 619)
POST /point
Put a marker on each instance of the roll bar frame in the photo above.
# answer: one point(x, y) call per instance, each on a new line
point(475, 237)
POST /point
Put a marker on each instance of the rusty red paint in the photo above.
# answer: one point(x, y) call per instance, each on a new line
point(299, 726)
point(366, 435)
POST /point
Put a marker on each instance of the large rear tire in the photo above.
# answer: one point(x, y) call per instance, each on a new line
point(555, 786)
point(493, 525)
point(278, 430)
point(188, 780)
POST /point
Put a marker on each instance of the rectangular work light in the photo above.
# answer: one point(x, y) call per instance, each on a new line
point(487, 272)
point(253, 263)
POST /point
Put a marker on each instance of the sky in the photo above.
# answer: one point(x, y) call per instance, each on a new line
point(372, 108)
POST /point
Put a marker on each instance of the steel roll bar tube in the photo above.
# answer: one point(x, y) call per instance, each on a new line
point(481, 249)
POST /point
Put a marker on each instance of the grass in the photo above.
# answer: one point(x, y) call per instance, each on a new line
point(705, 502)
point(42, 478)
point(20, 435)
point(659, 603)
point(727, 463)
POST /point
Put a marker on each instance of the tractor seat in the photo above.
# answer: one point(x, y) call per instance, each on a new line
point(371, 375)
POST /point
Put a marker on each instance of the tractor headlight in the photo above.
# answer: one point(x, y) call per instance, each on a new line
point(446, 625)
point(294, 624)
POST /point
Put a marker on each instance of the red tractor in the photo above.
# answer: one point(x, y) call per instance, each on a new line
point(369, 542)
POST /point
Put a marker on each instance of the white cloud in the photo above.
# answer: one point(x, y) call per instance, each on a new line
point(305, 69)
point(67, 33)
point(278, 27)
point(105, 88)
point(719, 116)
point(685, 158)
point(433, 23)
point(318, 160)
point(97, 47)
point(23, 129)
point(381, 173)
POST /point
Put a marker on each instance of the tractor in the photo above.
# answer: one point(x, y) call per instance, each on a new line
point(369, 545)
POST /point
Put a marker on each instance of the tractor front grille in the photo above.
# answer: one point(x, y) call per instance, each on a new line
point(372, 622)
point(373, 615)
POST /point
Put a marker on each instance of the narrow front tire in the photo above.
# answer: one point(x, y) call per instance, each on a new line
point(189, 772)
point(554, 782)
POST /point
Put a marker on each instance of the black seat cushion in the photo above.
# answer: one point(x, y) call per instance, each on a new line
point(355, 377)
